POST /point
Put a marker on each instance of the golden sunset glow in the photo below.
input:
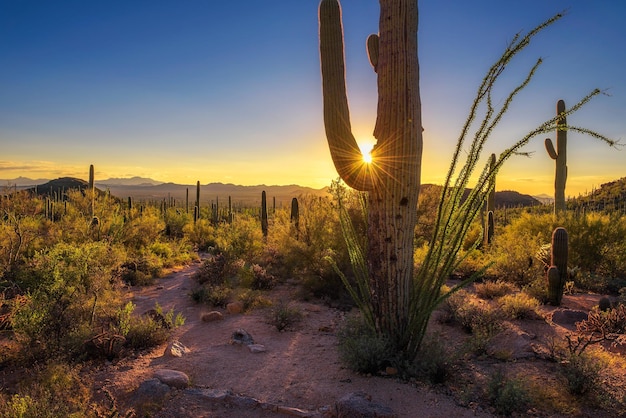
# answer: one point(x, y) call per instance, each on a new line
point(366, 150)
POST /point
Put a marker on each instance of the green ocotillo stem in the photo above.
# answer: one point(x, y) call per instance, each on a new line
point(489, 228)
point(560, 157)
point(559, 253)
point(264, 224)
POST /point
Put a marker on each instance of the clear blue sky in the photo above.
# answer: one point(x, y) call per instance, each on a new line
point(230, 91)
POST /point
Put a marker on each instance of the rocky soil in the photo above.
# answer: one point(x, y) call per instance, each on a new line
point(297, 372)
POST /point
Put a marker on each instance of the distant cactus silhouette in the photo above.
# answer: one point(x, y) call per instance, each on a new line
point(489, 228)
point(264, 224)
point(295, 215)
point(560, 157)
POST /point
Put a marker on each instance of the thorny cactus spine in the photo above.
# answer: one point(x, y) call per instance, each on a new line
point(560, 157)
point(559, 253)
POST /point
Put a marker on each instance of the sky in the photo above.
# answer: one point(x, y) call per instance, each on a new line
point(198, 90)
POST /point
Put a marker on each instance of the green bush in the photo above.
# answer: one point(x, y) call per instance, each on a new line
point(217, 295)
point(490, 289)
point(581, 372)
point(433, 363)
point(54, 391)
point(506, 395)
point(284, 315)
point(519, 306)
point(361, 350)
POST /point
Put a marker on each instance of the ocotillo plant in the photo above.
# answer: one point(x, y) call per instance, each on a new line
point(560, 157)
point(557, 273)
point(392, 179)
point(264, 224)
point(393, 302)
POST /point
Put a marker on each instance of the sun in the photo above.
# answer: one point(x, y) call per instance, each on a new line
point(366, 151)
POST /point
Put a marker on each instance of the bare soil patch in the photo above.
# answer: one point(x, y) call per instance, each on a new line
point(300, 373)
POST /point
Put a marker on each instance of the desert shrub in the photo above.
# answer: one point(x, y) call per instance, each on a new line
point(56, 390)
point(69, 286)
point(475, 316)
point(141, 231)
point(202, 234)
point(361, 349)
point(490, 289)
point(507, 395)
point(261, 279)
point(212, 271)
point(284, 315)
point(434, 363)
point(512, 254)
point(212, 295)
point(519, 306)
point(598, 283)
point(145, 332)
point(151, 329)
point(252, 299)
point(176, 221)
point(242, 239)
point(581, 373)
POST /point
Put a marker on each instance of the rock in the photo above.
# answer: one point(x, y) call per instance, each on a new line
point(257, 348)
point(513, 343)
point(241, 336)
point(151, 391)
point(235, 307)
point(391, 371)
point(360, 405)
point(176, 349)
point(567, 318)
point(172, 378)
point(212, 316)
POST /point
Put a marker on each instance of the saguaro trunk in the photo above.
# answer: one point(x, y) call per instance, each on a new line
point(392, 179)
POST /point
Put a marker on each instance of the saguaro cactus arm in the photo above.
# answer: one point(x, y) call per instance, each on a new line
point(344, 149)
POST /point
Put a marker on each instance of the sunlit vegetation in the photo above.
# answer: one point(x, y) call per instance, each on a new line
point(62, 278)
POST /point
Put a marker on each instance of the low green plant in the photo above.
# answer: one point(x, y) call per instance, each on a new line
point(56, 390)
point(507, 395)
point(252, 299)
point(490, 289)
point(361, 349)
point(519, 306)
point(218, 295)
point(581, 373)
point(284, 315)
point(434, 363)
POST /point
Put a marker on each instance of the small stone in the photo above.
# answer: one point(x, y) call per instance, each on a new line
point(176, 349)
point(235, 307)
point(359, 404)
point(391, 371)
point(257, 348)
point(212, 316)
point(172, 378)
point(241, 336)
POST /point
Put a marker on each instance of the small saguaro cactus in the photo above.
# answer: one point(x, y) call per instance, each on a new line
point(489, 228)
point(295, 215)
point(264, 224)
point(197, 213)
point(92, 191)
point(557, 273)
point(560, 157)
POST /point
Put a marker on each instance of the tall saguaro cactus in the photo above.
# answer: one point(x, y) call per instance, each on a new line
point(557, 273)
point(392, 179)
point(560, 157)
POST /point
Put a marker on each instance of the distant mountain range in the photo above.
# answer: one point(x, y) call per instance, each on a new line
point(141, 188)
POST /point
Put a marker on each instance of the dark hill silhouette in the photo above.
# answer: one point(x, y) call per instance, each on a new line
point(505, 198)
point(60, 186)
